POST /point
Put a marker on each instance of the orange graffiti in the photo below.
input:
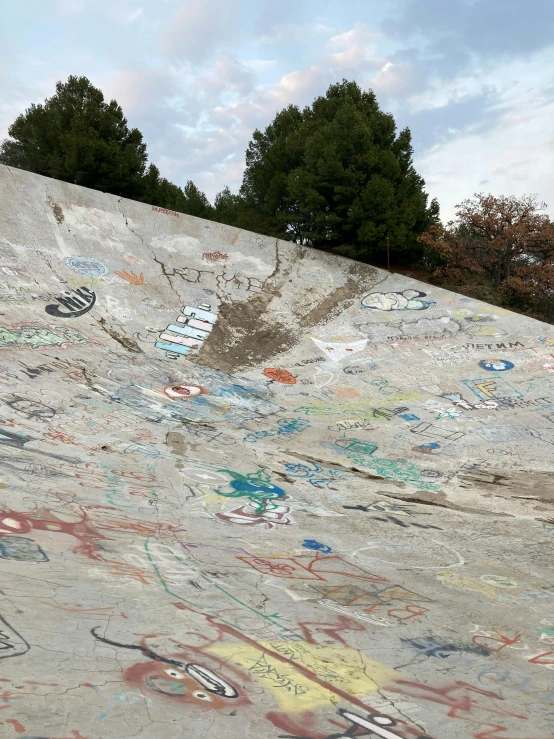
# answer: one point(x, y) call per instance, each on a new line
point(131, 277)
point(19, 728)
point(280, 375)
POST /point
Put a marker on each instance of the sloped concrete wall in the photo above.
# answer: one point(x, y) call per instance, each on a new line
point(253, 490)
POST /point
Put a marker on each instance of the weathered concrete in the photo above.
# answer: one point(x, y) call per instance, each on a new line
point(328, 501)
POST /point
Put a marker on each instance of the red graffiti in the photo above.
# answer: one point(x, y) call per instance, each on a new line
point(461, 698)
point(538, 659)
point(504, 641)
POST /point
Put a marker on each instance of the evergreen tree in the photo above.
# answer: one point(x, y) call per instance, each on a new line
point(337, 176)
point(195, 202)
point(77, 137)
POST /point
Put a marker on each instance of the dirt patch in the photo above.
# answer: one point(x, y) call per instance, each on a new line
point(56, 210)
point(248, 333)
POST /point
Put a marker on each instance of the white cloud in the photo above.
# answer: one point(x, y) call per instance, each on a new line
point(133, 15)
point(198, 29)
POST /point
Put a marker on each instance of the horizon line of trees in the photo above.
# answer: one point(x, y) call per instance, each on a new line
point(336, 176)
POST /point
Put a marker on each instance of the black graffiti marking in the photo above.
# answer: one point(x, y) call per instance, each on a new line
point(427, 429)
point(376, 725)
point(31, 409)
point(205, 677)
point(18, 441)
point(7, 642)
point(78, 303)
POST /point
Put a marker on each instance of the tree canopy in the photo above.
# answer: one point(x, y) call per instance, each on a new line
point(337, 176)
point(509, 240)
point(78, 137)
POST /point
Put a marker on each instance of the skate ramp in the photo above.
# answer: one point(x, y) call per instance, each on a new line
point(250, 489)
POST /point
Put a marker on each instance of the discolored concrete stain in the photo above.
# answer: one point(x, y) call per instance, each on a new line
point(249, 489)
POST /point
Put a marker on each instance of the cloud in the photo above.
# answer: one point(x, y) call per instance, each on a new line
point(490, 28)
point(291, 34)
point(133, 15)
point(199, 29)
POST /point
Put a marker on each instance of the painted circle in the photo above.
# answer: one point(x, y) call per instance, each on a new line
point(86, 266)
point(182, 392)
point(496, 365)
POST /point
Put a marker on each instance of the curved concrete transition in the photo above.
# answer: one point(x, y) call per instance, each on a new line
point(251, 490)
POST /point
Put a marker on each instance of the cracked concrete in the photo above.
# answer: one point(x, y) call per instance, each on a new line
point(253, 490)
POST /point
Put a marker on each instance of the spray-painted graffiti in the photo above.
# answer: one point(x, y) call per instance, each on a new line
point(496, 365)
point(86, 266)
point(37, 337)
point(78, 302)
point(262, 495)
point(21, 549)
point(189, 332)
point(406, 300)
point(183, 392)
point(12, 644)
point(280, 375)
point(131, 277)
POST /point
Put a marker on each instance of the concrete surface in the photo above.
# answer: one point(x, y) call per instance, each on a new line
point(252, 490)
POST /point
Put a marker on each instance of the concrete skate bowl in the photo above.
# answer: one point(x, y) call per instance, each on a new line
point(253, 490)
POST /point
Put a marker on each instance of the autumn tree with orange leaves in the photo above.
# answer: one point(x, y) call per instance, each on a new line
point(507, 240)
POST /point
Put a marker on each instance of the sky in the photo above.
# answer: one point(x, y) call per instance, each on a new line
point(472, 79)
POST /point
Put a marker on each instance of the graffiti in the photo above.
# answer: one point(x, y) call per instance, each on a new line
point(166, 211)
point(280, 375)
point(406, 300)
point(316, 546)
point(30, 408)
point(12, 644)
point(355, 449)
point(214, 256)
point(179, 678)
point(315, 568)
point(433, 431)
point(21, 549)
point(261, 508)
point(78, 302)
point(375, 724)
point(194, 327)
point(287, 426)
point(37, 337)
point(398, 510)
point(86, 266)
point(315, 474)
point(495, 388)
point(337, 351)
point(362, 423)
point(496, 365)
point(131, 277)
point(183, 392)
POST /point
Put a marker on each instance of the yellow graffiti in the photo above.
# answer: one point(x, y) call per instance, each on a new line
point(342, 667)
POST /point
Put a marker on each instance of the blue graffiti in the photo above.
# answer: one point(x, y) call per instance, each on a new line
point(496, 365)
point(316, 546)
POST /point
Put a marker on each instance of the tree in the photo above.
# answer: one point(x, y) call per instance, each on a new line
point(226, 207)
point(77, 137)
point(195, 202)
point(336, 176)
point(509, 240)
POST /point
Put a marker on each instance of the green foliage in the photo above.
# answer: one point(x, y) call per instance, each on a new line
point(336, 176)
point(77, 137)
point(196, 203)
